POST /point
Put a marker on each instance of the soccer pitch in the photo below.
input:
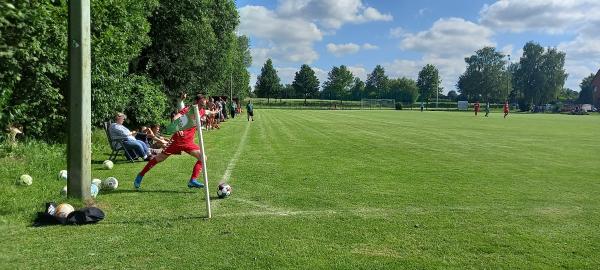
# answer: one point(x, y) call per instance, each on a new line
point(335, 189)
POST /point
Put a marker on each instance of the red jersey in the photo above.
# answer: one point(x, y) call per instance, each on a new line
point(188, 134)
point(505, 107)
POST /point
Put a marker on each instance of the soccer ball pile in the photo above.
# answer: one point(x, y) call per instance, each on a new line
point(109, 183)
point(223, 190)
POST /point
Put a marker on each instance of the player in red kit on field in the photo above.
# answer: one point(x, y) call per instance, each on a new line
point(505, 108)
point(476, 107)
point(182, 141)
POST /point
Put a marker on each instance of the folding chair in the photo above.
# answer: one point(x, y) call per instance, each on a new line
point(116, 145)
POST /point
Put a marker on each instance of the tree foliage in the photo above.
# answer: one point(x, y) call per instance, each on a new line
point(267, 83)
point(540, 74)
point(486, 77)
point(586, 95)
point(377, 83)
point(429, 82)
point(306, 82)
point(403, 90)
point(143, 52)
point(339, 84)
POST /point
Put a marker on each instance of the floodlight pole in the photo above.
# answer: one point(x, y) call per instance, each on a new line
point(204, 173)
point(79, 98)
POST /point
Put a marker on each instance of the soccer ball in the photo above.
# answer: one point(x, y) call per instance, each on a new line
point(110, 183)
point(94, 190)
point(62, 175)
point(63, 210)
point(25, 180)
point(107, 164)
point(97, 182)
point(63, 191)
point(223, 190)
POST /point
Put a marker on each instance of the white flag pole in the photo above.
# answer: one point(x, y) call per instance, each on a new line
point(204, 173)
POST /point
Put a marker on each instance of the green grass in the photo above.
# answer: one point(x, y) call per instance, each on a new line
point(334, 189)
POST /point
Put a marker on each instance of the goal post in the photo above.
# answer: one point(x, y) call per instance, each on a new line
point(377, 104)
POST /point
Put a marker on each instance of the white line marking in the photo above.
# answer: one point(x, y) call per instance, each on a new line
point(235, 157)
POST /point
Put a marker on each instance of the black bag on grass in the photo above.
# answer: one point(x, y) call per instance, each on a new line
point(87, 215)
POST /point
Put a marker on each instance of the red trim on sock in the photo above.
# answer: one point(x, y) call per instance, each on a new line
point(148, 166)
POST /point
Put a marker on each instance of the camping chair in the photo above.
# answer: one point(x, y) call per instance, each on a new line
point(116, 146)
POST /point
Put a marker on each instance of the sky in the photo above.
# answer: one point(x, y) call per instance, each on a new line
point(403, 36)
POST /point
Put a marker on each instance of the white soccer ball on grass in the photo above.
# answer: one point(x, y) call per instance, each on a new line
point(224, 190)
point(107, 164)
point(110, 183)
point(25, 180)
point(97, 182)
point(63, 175)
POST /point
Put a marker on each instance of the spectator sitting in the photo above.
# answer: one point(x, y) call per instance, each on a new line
point(119, 132)
point(158, 141)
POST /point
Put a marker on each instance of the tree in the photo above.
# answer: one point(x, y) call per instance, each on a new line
point(358, 89)
point(192, 45)
point(377, 83)
point(306, 82)
point(452, 95)
point(339, 83)
point(485, 77)
point(428, 82)
point(404, 90)
point(288, 91)
point(539, 76)
point(567, 94)
point(267, 83)
point(587, 90)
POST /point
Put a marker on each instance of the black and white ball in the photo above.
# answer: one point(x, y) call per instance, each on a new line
point(223, 190)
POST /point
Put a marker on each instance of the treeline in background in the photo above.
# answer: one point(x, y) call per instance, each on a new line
point(144, 54)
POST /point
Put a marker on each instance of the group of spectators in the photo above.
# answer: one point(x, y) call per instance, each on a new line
point(148, 141)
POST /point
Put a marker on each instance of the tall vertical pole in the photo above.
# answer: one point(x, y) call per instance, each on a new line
point(79, 98)
point(204, 172)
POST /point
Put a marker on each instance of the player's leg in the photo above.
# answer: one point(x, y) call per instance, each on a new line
point(194, 183)
point(157, 159)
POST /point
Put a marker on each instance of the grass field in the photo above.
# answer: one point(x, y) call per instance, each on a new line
point(333, 189)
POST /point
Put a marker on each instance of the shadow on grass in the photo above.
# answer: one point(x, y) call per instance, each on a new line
point(163, 222)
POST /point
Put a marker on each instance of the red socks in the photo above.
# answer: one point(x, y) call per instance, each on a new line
point(197, 169)
point(148, 166)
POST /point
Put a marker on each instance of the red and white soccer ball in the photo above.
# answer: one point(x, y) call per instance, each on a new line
point(223, 190)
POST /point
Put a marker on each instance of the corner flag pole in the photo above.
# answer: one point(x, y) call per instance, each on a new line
point(204, 173)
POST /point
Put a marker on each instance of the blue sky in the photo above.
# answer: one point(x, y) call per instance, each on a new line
point(403, 36)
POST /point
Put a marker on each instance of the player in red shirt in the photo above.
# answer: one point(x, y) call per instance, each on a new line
point(505, 108)
point(476, 107)
point(182, 141)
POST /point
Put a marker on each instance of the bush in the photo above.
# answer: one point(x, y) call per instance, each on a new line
point(148, 103)
point(398, 106)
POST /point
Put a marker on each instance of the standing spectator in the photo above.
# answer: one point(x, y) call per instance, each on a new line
point(119, 132)
point(233, 108)
point(250, 110)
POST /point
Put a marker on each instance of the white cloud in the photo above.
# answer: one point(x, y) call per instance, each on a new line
point(342, 49)
point(286, 39)
point(331, 14)
point(368, 46)
point(550, 16)
point(582, 54)
point(359, 71)
point(453, 36)
point(423, 11)
point(348, 48)
point(445, 45)
point(397, 32)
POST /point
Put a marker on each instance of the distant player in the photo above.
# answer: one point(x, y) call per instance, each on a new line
point(476, 108)
point(505, 108)
point(487, 108)
point(422, 105)
point(250, 110)
point(182, 141)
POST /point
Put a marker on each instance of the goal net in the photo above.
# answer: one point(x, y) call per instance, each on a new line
point(377, 104)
